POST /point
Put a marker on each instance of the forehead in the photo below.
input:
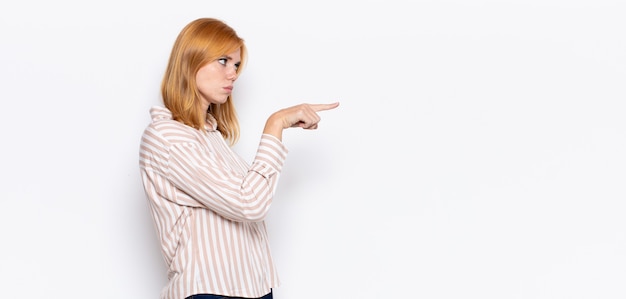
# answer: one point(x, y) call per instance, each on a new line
point(235, 55)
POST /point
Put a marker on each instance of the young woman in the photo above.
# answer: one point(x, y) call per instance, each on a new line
point(207, 203)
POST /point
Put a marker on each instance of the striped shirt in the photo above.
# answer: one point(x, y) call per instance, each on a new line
point(208, 207)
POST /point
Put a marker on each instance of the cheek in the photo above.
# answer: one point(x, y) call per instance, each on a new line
point(205, 73)
point(204, 87)
point(203, 80)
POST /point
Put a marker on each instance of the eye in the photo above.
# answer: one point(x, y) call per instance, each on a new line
point(222, 61)
point(237, 65)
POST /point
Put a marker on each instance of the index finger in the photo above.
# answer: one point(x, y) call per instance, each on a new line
point(322, 107)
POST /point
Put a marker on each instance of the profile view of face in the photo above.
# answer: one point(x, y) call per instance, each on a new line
point(215, 79)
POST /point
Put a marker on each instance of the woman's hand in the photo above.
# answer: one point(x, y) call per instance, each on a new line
point(303, 116)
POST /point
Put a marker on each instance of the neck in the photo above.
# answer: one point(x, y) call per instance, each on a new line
point(205, 107)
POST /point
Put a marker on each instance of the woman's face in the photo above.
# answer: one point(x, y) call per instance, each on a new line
point(215, 79)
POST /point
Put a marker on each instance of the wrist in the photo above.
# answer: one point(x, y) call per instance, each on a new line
point(273, 127)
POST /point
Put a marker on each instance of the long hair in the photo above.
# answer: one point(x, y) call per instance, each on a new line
point(200, 42)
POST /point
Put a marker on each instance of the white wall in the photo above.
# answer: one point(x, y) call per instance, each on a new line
point(478, 151)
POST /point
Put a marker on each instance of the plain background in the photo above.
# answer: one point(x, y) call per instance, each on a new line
point(478, 151)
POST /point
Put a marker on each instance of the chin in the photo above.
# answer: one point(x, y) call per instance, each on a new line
point(219, 101)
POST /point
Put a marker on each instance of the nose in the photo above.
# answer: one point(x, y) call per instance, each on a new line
point(232, 74)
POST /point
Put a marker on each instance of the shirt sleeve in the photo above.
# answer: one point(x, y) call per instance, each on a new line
point(195, 171)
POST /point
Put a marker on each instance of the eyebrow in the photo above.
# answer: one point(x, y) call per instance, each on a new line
point(228, 57)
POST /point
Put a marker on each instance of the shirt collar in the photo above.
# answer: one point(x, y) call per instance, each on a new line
point(211, 123)
point(162, 113)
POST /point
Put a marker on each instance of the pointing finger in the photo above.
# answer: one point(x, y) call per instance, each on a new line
point(322, 107)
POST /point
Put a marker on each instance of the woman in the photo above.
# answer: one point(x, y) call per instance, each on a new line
point(207, 203)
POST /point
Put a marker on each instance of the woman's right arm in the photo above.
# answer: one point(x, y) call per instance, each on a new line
point(304, 116)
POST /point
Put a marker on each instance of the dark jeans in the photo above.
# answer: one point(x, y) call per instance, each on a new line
point(209, 296)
